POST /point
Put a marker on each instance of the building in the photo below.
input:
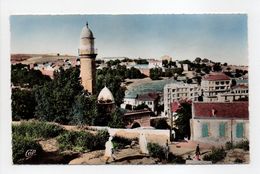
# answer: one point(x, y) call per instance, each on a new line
point(87, 55)
point(137, 118)
point(236, 93)
point(106, 100)
point(219, 122)
point(154, 63)
point(177, 92)
point(150, 99)
point(214, 83)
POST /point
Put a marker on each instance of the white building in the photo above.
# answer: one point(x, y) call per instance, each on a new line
point(179, 91)
point(154, 63)
point(214, 83)
point(238, 92)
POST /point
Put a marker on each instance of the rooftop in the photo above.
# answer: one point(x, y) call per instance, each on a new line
point(147, 97)
point(215, 76)
point(225, 110)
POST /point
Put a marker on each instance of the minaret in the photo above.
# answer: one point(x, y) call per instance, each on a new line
point(87, 55)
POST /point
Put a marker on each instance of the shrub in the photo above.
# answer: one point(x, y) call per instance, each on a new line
point(228, 145)
point(244, 144)
point(237, 160)
point(20, 145)
point(120, 142)
point(155, 150)
point(36, 129)
point(82, 141)
point(160, 124)
point(175, 159)
point(217, 154)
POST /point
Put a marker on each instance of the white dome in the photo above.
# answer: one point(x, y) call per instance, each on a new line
point(105, 96)
point(86, 32)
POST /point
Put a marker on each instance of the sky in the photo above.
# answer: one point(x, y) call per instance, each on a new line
point(218, 37)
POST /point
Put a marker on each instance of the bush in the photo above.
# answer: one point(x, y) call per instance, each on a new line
point(237, 160)
point(175, 159)
point(155, 150)
point(37, 129)
point(20, 145)
point(160, 124)
point(120, 142)
point(81, 141)
point(244, 144)
point(228, 145)
point(217, 154)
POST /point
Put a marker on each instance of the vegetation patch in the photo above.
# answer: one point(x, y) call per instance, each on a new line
point(217, 154)
point(25, 149)
point(120, 142)
point(37, 129)
point(244, 144)
point(81, 141)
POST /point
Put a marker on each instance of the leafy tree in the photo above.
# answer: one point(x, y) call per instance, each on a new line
point(217, 67)
point(189, 81)
point(198, 60)
point(84, 110)
point(23, 104)
point(56, 98)
point(141, 61)
point(141, 106)
point(183, 116)
point(117, 119)
point(22, 76)
point(165, 63)
point(155, 73)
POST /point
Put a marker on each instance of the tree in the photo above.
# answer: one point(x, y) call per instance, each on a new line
point(198, 60)
point(183, 116)
point(56, 98)
point(23, 104)
point(117, 119)
point(165, 63)
point(217, 67)
point(84, 110)
point(155, 73)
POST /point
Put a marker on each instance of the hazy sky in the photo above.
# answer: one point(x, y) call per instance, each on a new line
point(217, 37)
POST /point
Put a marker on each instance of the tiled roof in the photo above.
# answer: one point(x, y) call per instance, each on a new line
point(216, 76)
point(147, 97)
point(240, 86)
point(226, 110)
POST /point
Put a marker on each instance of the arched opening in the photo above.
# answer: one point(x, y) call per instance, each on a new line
point(135, 125)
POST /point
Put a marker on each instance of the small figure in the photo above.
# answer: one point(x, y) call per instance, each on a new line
point(188, 158)
point(109, 151)
point(197, 152)
point(143, 144)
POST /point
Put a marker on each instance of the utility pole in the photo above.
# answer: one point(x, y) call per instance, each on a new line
point(171, 116)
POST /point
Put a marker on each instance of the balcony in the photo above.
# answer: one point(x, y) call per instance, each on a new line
point(87, 51)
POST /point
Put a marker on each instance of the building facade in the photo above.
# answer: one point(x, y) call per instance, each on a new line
point(214, 83)
point(179, 91)
point(219, 122)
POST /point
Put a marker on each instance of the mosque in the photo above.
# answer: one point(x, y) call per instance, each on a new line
point(87, 55)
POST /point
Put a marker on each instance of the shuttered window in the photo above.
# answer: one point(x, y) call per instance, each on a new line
point(205, 130)
point(240, 130)
point(222, 129)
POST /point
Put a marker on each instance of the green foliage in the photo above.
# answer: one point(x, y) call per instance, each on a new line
point(22, 76)
point(160, 124)
point(120, 142)
point(112, 78)
point(82, 141)
point(23, 104)
point(155, 150)
point(217, 154)
point(56, 98)
point(175, 159)
point(141, 106)
point(133, 73)
point(244, 144)
point(198, 60)
point(141, 61)
point(84, 110)
point(228, 145)
point(20, 145)
point(117, 119)
point(36, 129)
point(183, 119)
point(155, 73)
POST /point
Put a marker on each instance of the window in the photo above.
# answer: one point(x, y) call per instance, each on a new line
point(227, 82)
point(240, 130)
point(173, 90)
point(217, 83)
point(222, 129)
point(205, 131)
point(222, 83)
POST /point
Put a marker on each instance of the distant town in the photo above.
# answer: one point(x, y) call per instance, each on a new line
point(81, 109)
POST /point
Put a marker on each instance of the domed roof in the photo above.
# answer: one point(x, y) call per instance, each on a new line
point(105, 96)
point(86, 32)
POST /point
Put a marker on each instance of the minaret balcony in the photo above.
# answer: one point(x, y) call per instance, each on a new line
point(87, 51)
